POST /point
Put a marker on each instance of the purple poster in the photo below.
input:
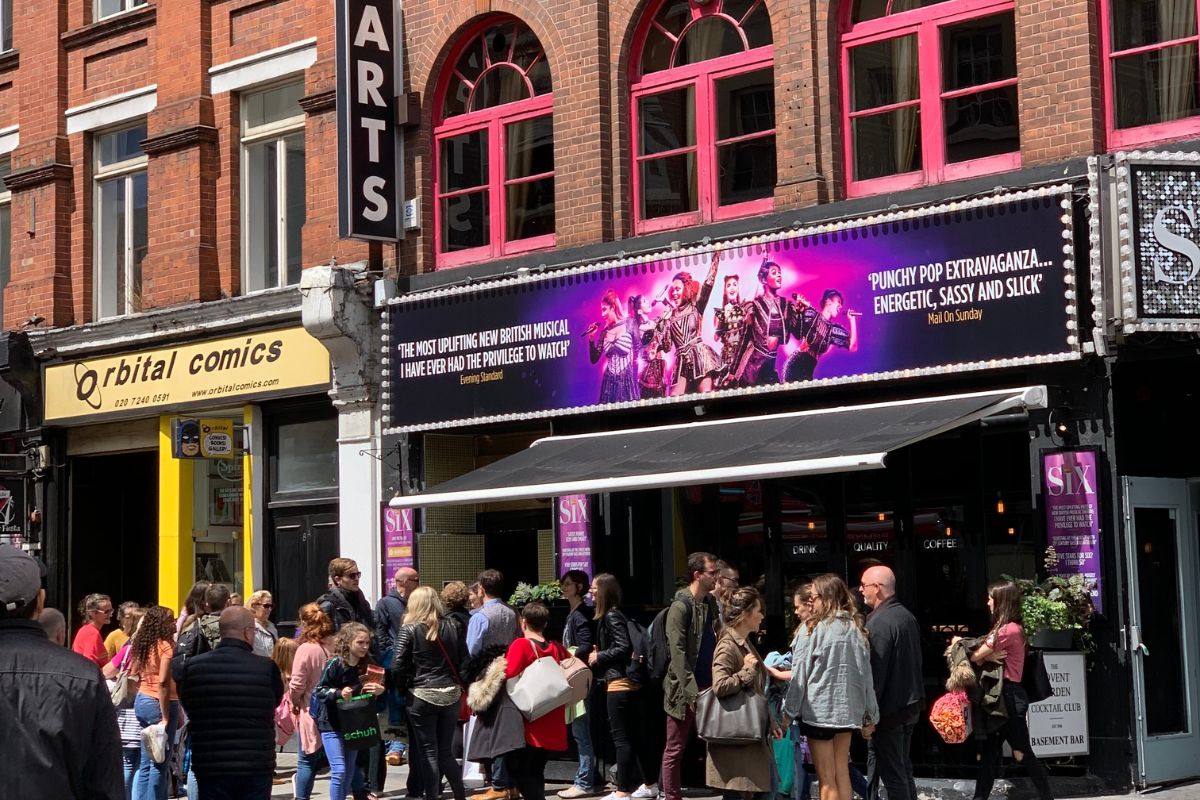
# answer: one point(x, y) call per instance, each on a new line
point(574, 533)
point(973, 285)
point(398, 531)
point(1073, 515)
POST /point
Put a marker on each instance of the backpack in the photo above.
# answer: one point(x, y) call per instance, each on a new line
point(638, 670)
point(658, 652)
point(192, 642)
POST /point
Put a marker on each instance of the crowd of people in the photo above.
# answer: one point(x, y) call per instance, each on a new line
point(202, 700)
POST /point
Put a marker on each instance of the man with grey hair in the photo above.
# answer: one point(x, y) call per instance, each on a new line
point(895, 640)
point(54, 624)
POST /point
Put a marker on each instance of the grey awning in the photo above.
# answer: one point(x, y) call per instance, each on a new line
point(770, 446)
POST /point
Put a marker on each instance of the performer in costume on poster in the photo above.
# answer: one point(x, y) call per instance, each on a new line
point(653, 377)
point(769, 319)
point(730, 321)
point(817, 332)
point(616, 345)
point(696, 364)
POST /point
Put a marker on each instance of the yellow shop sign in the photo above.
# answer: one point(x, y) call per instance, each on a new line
point(203, 373)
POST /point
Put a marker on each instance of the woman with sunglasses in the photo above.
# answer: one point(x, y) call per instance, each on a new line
point(265, 634)
point(96, 611)
point(345, 602)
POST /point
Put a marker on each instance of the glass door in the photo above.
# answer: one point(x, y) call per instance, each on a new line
point(1162, 557)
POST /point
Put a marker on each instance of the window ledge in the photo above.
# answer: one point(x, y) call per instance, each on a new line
point(132, 20)
point(10, 60)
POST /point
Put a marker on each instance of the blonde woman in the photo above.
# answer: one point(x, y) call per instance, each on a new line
point(265, 635)
point(128, 616)
point(831, 692)
point(430, 650)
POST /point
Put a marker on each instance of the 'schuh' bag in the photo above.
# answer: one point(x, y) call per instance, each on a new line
point(733, 719)
point(358, 722)
point(540, 688)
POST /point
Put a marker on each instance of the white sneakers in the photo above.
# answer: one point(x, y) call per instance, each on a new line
point(572, 792)
point(644, 791)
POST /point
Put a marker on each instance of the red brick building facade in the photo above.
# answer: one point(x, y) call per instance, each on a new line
point(66, 58)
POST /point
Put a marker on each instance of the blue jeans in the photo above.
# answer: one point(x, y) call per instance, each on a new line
point(132, 756)
point(585, 777)
point(307, 767)
point(801, 781)
point(341, 766)
point(152, 780)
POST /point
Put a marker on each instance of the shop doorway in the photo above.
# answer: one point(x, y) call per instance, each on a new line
point(303, 544)
point(114, 528)
point(1163, 560)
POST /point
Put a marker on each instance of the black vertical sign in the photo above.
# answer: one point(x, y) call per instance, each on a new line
point(370, 155)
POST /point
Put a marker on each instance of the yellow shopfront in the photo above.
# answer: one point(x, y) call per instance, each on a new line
point(170, 445)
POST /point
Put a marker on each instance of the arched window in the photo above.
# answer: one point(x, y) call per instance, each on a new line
point(494, 147)
point(929, 92)
point(703, 96)
point(1151, 70)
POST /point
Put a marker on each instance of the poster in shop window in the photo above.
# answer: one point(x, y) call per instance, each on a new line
point(1072, 503)
point(968, 286)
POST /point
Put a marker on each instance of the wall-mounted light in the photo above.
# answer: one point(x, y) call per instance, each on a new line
point(1012, 531)
point(949, 531)
point(812, 526)
point(999, 504)
point(882, 516)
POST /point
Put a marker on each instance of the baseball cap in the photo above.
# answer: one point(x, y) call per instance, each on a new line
point(20, 579)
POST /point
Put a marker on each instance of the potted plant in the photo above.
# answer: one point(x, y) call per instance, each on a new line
point(528, 592)
point(1057, 611)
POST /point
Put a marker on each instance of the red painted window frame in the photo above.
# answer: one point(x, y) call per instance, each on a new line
point(1118, 138)
point(494, 120)
point(702, 77)
point(925, 23)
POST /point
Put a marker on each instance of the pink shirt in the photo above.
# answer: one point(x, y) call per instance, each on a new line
point(307, 664)
point(1010, 640)
point(90, 644)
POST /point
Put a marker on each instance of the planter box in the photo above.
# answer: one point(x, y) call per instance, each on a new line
point(1047, 639)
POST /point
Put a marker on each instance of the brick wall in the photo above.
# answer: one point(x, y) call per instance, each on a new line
point(63, 59)
point(195, 183)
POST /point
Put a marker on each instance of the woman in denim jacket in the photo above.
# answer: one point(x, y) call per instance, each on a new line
point(831, 692)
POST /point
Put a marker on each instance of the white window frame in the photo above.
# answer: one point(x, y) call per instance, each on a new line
point(278, 131)
point(124, 171)
point(126, 5)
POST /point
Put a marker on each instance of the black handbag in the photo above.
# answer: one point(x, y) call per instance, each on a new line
point(1035, 680)
point(358, 722)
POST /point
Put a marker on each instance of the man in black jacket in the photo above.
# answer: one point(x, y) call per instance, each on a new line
point(230, 695)
point(895, 641)
point(58, 730)
point(344, 602)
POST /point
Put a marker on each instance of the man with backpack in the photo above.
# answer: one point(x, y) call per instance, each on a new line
point(687, 627)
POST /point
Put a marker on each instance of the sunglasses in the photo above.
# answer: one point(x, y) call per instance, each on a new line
point(265, 605)
point(352, 575)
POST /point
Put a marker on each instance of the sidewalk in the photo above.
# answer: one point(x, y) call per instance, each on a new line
point(928, 789)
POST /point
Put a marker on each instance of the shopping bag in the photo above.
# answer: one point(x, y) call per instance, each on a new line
point(540, 688)
point(358, 722)
point(472, 771)
point(951, 717)
point(785, 764)
point(155, 738)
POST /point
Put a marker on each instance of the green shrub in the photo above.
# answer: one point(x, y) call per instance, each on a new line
point(542, 592)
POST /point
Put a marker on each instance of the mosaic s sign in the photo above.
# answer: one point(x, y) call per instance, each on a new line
point(971, 285)
point(1167, 203)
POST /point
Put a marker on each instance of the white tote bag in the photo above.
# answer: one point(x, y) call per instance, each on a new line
point(540, 688)
point(472, 771)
